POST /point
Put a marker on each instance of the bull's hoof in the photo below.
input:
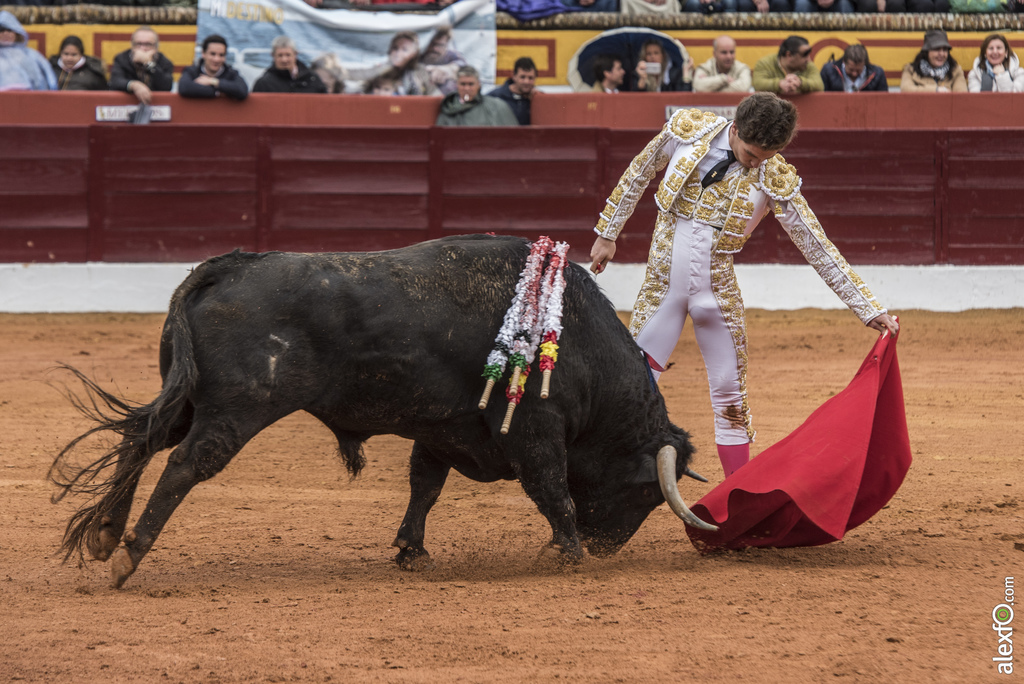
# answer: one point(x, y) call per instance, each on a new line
point(121, 567)
point(101, 544)
point(414, 561)
point(560, 557)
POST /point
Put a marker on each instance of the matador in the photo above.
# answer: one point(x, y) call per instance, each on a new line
point(723, 177)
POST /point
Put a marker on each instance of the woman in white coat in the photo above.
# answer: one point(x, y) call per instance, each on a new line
point(997, 70)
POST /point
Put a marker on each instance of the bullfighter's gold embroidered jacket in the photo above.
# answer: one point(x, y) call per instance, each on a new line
point(736, 205)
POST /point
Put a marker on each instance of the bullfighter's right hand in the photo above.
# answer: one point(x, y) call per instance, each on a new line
point(601, 253)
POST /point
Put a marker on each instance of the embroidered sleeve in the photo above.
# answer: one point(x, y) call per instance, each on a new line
point(807, 234)
point(685, 126)
point(631, 186)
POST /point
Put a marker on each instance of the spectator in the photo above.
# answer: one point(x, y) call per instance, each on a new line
point(655, 72)
point(891, 6)
point(467, 107)
point(608, 74)
point(997, 70)
point(855, 74)
point(288, 74)
point(411, 77)
point(442, 61)
point(926, 6)
point(334, 4)
point(142, 68)
point(718, 6)
point(331, 71)
point(592, 5)
point(381, 85)
point(212, 77)
point(835, 6)
point(21, 67)
point(790, 72)
point(74, 70)
point(517, 92)
point(722, 73)
point(656, 7)
point(933, 69)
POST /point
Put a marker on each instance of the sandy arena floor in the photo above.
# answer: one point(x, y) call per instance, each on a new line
point(279, 569)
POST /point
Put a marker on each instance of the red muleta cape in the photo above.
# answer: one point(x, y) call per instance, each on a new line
point(828, 476)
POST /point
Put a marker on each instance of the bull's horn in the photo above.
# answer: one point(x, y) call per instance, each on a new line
point(695, 476)
point(670, 490)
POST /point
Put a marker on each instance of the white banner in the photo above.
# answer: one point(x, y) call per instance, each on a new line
point(364, 42)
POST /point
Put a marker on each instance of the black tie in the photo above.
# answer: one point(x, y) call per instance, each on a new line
point(717, 172)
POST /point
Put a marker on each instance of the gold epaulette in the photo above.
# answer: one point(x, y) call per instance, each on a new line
point(779, 179)
point(692, 124)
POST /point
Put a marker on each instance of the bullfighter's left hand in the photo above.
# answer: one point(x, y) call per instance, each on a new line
point(601, 253)
point(883, 323)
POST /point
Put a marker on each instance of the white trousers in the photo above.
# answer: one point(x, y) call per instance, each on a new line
point(691, 293)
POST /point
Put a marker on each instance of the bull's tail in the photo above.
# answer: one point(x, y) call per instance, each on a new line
point(144, 430)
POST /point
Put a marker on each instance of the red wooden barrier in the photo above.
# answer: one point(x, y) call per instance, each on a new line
point(904, 111)
point(183, 193)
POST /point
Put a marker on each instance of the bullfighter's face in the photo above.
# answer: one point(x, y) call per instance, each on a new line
point(748, 154)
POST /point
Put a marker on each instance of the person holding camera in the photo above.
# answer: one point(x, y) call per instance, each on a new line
point(142, 68)
point(656, 73)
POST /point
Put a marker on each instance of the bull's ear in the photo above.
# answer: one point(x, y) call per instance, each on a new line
point(647, 472)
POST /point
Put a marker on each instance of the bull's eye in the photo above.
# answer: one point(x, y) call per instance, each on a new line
point(648, 494)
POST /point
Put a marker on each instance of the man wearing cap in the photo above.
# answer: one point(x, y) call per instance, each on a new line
point(791, 72)
point(933, 70)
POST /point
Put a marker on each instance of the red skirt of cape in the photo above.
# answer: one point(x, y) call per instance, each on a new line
point(831, 474)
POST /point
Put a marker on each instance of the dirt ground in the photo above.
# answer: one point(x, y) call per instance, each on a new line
point(279, 569)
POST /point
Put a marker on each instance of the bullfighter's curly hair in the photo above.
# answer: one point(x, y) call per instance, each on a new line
point(766, 120)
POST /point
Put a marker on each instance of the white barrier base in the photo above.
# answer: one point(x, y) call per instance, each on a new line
point(147, 288)
point(786, 287)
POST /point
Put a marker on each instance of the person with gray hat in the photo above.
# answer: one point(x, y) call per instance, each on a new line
point(933, 70)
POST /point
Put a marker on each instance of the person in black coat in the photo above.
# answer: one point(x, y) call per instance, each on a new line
point(212, 77)
point(854, 74)
point(142, 68)
point(288, 75)
point(74, 70)
point(517, 92)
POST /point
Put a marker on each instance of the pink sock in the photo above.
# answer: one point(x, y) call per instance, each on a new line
point(733, 456)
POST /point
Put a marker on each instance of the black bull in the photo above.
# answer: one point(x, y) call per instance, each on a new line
point(384, 343)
